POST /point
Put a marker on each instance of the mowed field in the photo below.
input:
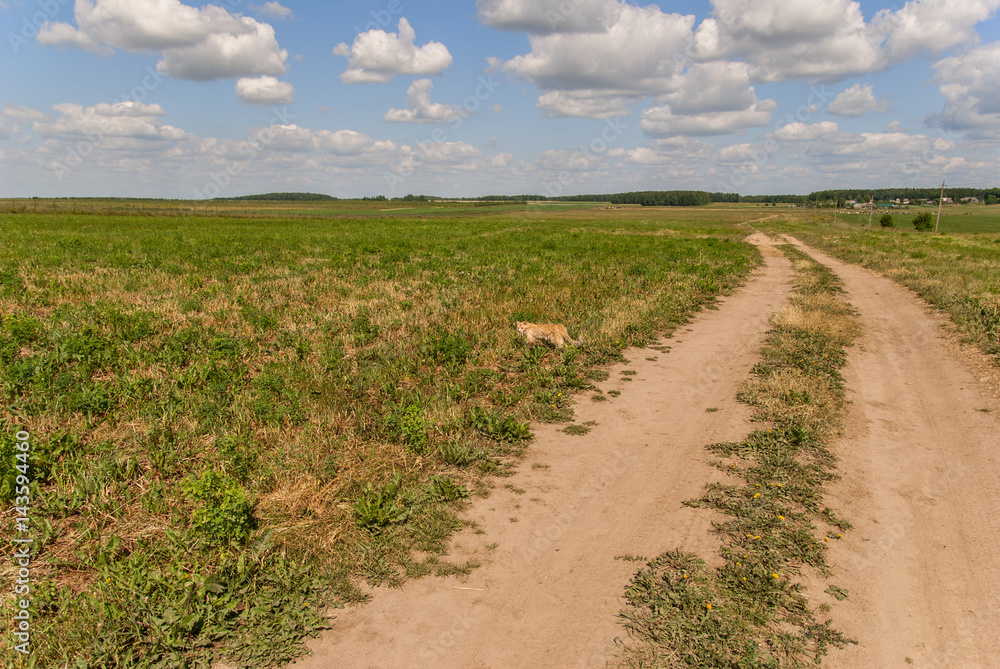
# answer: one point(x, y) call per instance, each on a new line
point(243, 414)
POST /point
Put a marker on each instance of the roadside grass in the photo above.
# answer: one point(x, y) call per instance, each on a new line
point(956, 273)
point(235, 420)
point(750, 611)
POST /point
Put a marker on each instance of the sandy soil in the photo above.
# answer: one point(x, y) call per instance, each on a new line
point(548, 594)
point(920, 484)
point(920, 481)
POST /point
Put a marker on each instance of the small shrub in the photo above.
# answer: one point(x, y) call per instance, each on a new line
point(450, 350)
point(222, 513)
point(413, 429)
point(886, 221)
point(455, 453)
point(443, 489)
point(381, 506)
point(924, 222)
point(501, 428)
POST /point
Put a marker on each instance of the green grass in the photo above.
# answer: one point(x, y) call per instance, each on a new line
point(238, 414)
point(750, 612)
point(960, 218)
point(958, 273)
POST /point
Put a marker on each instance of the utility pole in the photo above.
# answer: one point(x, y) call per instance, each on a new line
point(871, 210)
point(940, 202)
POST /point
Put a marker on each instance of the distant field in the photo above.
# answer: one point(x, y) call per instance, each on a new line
point(954, 218)
point(957, 271)
point(237, 411)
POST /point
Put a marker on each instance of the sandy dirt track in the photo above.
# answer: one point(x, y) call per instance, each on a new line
point(549, 593)
point(921, 484)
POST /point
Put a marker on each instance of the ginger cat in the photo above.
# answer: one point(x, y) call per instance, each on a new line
point(555, 334)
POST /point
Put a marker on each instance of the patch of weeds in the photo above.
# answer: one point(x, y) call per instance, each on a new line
point(381, 506)
point(222, 512)
point(711, 409)
point(598, 398)
point(454, 452)
point(614, 393)
point(412, 428)
point(504, 429)
point(449, 350)
point(443, 489)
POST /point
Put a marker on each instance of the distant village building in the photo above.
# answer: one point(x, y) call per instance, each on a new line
point(969, 200)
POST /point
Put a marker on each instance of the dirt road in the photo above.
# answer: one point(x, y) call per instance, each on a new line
point(547, 595)
point(921, 483)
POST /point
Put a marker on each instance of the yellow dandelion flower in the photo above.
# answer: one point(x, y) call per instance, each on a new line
point(840, 536)
point(826, 539)
point(744, 579)
point(708, 606)
point(756, 536)
point(781, 517)
point(774, 575)
point(756, 495)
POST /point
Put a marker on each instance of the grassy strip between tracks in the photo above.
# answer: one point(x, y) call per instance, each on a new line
point(750, 611)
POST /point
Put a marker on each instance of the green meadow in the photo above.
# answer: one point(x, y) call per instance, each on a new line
point(240, 411)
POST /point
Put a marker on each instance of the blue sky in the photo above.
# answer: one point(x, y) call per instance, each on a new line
point(161, 98)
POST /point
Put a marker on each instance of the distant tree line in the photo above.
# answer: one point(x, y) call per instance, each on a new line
point(282, 197)
point(987, 195)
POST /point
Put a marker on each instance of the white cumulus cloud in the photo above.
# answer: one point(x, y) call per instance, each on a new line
point(549, 16)
point(275, 10)
point(265, 90)
point(858, 100)
point(377, 56)
point(202, 44)
point(133, 120)
point(226, 55)
point(420, 109)
point(662, 122)
point(639, 55)
point(970, 84)
point(828, 40)
point(804, 132)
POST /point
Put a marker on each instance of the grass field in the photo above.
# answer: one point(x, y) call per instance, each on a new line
point(236, 417)
point(239, 411)
point(957, 271)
